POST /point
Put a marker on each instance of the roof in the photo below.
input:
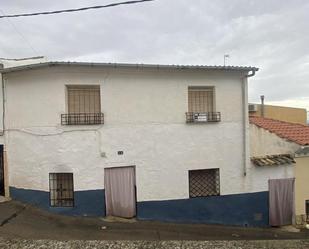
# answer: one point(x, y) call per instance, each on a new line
point(296, 133)
point(127, 65)
point(273, 160)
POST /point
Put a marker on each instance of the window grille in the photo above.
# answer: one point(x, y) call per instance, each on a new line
point(61, 189)
point(204, 182)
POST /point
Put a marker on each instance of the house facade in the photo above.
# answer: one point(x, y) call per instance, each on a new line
point(280, 152)
point(157, 142)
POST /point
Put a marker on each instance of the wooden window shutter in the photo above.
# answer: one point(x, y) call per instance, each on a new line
point(84, 99)
point(201, 99)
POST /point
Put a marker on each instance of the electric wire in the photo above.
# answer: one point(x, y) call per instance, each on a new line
point(75, 10)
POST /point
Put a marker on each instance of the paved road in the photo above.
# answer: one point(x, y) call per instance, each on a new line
point(18, 221)
point(47, 244)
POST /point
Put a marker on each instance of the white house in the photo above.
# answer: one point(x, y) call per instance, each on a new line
point(159, 142)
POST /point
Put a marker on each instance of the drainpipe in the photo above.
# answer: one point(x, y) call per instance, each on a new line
point(245, 117)
point(3, 96)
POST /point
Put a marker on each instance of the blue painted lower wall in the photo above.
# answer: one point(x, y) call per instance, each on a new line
point(86, 203)
point(241, 209)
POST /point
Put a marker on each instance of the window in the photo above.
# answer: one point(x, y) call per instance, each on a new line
point(205, 182)
point(84, 106)
point(201, 99)
point(61, 189)
point(84, 99)
point(201, 105)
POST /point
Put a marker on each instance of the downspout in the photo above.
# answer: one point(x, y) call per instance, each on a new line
point(245, 117)
point(3, 104)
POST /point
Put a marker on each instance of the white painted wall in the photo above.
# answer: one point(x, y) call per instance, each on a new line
point(263, 142)
point(144, 117)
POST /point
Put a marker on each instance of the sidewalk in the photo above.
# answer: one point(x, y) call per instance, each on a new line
point(18, 221)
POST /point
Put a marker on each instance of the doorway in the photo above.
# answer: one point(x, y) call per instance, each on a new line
point(281, 201)
point(120, 195)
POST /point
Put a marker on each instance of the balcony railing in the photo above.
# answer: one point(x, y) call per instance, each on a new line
point(203, 117)
point(82, 119)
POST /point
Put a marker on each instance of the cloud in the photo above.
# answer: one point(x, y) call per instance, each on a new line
point(270, 34)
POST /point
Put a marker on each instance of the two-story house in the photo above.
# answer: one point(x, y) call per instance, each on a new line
point(159, 142)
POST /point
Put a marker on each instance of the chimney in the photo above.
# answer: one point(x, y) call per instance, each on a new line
point(262, 106)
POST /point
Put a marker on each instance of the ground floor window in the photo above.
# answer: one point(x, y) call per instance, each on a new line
point(204, 182)
point(61, 189)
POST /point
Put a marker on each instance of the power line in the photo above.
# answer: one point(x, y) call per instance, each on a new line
point(75, 10)
point(20, 34)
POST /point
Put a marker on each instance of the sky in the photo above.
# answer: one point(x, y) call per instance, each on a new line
point(270, 34)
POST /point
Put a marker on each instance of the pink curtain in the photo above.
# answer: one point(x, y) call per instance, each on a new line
point(281, 201)
point(120, 192)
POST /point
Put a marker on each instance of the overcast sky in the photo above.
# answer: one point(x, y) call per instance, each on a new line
point(270, 34)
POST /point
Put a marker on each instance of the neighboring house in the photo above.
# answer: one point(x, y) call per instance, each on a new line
point(8, 62)
point(283, 113)
point(280, 150)
point(157, 142)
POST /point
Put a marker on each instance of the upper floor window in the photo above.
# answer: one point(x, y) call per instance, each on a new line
point(84, 105)
point(201, 105)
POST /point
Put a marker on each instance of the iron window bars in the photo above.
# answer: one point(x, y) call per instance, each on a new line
point(61, 189)
point(204, 182)
point(82, 119)
point(203, 117)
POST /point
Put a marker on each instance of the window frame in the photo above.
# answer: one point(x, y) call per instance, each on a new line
point(81, 86)
point(71, 189)
point(202, 88)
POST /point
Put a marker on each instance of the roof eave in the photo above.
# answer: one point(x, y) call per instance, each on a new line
point(127, 65)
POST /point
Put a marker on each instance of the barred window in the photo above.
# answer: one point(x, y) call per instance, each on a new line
point(205, 182)
point(61, 189)
point(83, 99)
point(201, 99)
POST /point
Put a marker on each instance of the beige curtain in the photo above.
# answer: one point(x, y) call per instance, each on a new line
point(84, 99)
point(120, 192)
point(281, 201)
point(201, 100)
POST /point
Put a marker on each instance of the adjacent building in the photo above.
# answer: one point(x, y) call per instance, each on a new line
point(283, 113)
point(279, 151)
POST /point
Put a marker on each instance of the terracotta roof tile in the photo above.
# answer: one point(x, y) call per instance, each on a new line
point(296, 133)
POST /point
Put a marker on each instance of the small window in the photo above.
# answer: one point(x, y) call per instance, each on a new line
point(204, 182)
point(61, 189)
point(201, 99)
